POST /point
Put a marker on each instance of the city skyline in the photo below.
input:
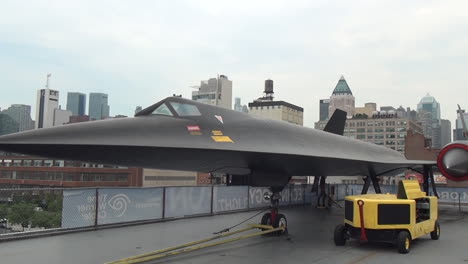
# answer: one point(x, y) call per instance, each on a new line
point(384, 60)
point(131, 113)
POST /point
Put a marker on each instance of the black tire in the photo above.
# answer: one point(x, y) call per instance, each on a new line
point(266, 219)
point(281, 221)
point(340, 235)
point(436, 233)
point(404, 242)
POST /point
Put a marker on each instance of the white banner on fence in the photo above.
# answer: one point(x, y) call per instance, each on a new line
point(125, 205)
point(79, 208)
point(256, 199)
point(297, 194)
point(114, 206)
point(230, 198)
point(182, 201)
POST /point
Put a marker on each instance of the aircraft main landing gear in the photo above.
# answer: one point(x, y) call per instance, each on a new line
point(273, 218)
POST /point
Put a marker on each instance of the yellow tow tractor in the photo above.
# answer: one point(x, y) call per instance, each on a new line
point(390, 218)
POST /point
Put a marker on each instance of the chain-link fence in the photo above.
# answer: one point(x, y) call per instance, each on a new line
point(103, 206)
point(26, 210)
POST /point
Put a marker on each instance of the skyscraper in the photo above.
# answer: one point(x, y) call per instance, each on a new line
point(237, 104)
point(47, 102)
point(98, 106)
point(21, 114)
point(429, 104)
point(61, 117)
point(429, 116)
point(324, 105)
point(76, 103)
point(239, 107)
point(445, 132)
point(342, 98)
point(215, 91)
point(138, 109)
point(7, 124)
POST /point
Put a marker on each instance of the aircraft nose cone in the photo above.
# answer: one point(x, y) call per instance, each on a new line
point(455, 162)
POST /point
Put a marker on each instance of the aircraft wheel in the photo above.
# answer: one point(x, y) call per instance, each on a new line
point(266, 220)
point(340, 235)
point(436, 233)
point(403, 242)
point(281, 221)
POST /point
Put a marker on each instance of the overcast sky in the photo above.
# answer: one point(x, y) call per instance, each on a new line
point(139, 52)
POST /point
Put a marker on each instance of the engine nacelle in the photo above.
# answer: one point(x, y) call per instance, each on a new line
point(453, 161)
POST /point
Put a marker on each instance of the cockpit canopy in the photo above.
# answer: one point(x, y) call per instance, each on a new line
point(171, 107)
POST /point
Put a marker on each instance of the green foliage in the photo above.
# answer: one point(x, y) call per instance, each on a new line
point(3, 211)
point(40, 219)
point(22, 210)
point(54, 204)
point(56, 219)
point(46, 219)
point(21, 213)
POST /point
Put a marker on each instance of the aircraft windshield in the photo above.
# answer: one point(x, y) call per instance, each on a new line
point(162, 110)
point(185, 109)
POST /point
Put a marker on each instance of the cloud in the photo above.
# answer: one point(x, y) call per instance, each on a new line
point(391, 52)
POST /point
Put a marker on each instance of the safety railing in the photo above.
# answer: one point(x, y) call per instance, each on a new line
point(24, 211)
point(33, 210)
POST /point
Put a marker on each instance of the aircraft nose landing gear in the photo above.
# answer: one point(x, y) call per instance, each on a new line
point(273, 218)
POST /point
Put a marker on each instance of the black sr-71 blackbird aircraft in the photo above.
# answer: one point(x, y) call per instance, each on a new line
point(180, 134)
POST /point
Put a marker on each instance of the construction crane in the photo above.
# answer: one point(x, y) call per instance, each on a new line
point(465, 130)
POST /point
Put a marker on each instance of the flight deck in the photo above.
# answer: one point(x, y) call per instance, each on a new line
point(310, 240)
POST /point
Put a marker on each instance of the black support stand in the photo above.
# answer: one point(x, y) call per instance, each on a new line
point(431, 176)
point(366, 185)
point(426, 172)
point(375, 182)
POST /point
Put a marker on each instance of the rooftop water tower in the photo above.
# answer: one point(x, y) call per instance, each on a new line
point(268, 89)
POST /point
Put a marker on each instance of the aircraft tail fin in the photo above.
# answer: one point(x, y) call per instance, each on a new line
point(337, 122)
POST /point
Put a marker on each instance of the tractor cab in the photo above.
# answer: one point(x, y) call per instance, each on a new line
point(398, 219)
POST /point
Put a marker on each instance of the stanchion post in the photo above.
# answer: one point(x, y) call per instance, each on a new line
point(164, 203)
point(96, 211)
point(212, 199)
point(304, 187)
point(248, 197)
point(459, 202)
point(290, 193)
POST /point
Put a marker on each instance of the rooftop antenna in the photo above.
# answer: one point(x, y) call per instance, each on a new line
point(47, 81)
point(465, 130)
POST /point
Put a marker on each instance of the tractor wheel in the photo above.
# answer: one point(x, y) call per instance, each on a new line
point(436, 233)
point(403, 242)
point(340, 235)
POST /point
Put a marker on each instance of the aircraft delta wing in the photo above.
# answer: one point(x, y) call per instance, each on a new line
point(180, 134)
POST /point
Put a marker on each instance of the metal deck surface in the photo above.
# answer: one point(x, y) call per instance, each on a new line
point(310, 241)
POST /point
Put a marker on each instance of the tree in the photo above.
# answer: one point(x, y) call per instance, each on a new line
point(3, 211)
point(46, 219)
point(21, 213)
point(54, 204)
point(41, 219)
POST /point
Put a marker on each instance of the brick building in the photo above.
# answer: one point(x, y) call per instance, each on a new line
point(27, 171)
